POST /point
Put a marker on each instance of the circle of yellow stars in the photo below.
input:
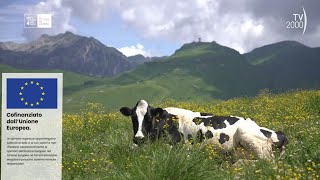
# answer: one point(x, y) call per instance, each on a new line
point(32, 104)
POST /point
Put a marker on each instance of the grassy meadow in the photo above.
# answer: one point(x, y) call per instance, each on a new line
point(98, 144)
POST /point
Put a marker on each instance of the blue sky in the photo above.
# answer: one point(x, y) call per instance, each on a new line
point(159, 27)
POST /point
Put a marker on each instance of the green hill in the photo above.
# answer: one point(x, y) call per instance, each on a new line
point(196, 49)
point(263, 54)
point(198, 71)
point(287, 65)
point(208, 71)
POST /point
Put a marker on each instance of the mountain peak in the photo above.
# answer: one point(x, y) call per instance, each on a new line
point(137, 56)
point(200, 48)
point(269, 52)
point(280, 45)
point(286, 44)
point(67, 51)
point(69, 33)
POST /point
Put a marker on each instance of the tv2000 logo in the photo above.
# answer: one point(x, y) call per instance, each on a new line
point(299, 22)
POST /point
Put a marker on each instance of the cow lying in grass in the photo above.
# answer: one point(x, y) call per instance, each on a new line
point(226, 132)
point(229, 132)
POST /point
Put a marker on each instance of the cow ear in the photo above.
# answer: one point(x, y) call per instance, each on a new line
point(126, 111)
point(156, 111)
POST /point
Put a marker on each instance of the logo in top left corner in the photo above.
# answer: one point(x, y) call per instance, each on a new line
point(28, 93)
point(37, 20)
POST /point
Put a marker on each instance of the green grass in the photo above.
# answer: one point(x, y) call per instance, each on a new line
point(98, 145)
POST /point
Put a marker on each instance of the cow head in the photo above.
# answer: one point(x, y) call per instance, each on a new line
point(147, 122)
point(282, 142)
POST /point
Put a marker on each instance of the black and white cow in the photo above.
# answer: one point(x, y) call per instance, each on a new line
point(149, 122)
point(143, 121)
point(227, 132)
point(230, 132)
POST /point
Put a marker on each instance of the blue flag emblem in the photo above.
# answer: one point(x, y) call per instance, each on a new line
point(27, 93)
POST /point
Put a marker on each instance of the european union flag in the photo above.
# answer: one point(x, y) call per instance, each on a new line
point(27, 93)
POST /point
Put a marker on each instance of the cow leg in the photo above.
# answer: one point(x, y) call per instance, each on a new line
point(185, 138)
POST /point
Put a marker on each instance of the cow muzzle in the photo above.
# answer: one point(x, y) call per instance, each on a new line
point(138, 140)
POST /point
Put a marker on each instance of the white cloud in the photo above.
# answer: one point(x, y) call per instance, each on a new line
point(242, 24)
point(93, 10)
point(134, 50)
point(185, 21)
